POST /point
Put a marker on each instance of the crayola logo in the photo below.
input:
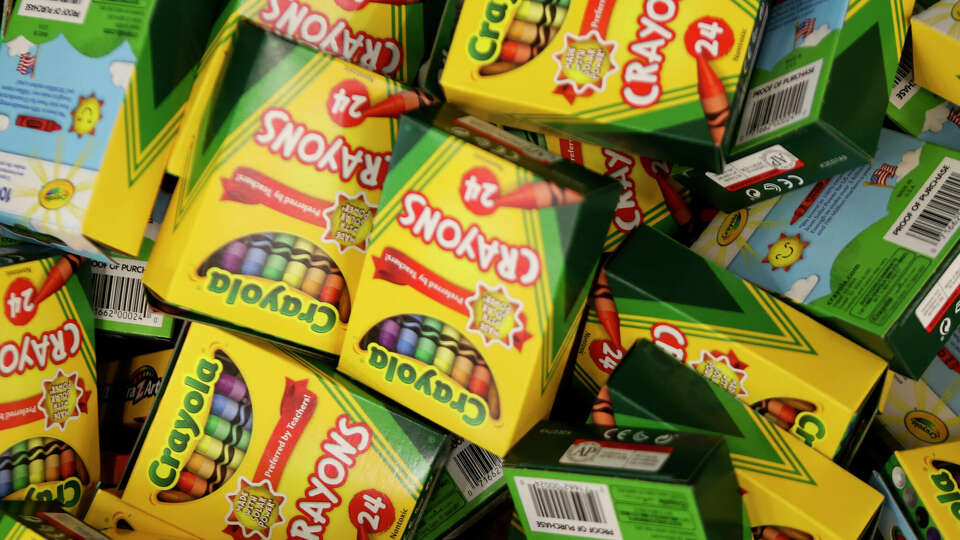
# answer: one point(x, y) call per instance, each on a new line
point(395, 369)
point(731, 227)
point(925, 426)
point(809, 427)
point(56, 194)
point(66, 493)
point(484, 45)
point(164, 471)
point(319, 317)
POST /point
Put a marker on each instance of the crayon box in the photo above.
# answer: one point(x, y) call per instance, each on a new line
point(108, 513)
point(648, 193)
point(936, 40)
point(575, 480)
point(892, 524)
point(42, 520)
point(884, 271)
point(92, 99)
point(787, 488)
point(925, 483)
point(913, 414)
point(389, 37)
point(920, 112)
point(267, 232)
point(470, 487)
point(49, 443)
point(485, 245)
point(816, 100)
point(754, 346)
point(248, 440)
point(659, 78)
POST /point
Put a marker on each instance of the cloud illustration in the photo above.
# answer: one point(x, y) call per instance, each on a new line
point(18, 46)
point(802, 288)
point(816, 37)
point(121, 72)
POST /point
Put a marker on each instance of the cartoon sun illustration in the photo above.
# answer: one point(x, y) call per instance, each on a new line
point(86, 115)
point(785, 252)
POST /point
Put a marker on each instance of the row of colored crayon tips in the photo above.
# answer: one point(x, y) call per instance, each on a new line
point(223, 445)
point(436, 343)
point(38, 460)
point(535, 24)
point(284, 257)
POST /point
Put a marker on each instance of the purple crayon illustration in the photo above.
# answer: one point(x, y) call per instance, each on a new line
point(233, 256)
point(389, 333)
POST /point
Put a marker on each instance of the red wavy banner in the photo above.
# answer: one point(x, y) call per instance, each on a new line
point(397, 267)
point(253, 187)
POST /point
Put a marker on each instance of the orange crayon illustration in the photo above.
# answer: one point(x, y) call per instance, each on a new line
point(772, 533)
point(602, 299)
point(497, 67)
point(783, 411)
point(540, 194)
point(675, 204)
point(41, 124)
point(344, 306)
point(480, 382)
point(602, 411)
point(174, 496)
point(59, 275)
point(516, 52)
point(531, 34)
point(713, 98)
point(397, 104)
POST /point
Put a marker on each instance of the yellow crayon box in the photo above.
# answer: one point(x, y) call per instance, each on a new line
point(659, 78)
point(42, 520)
point(249, 440)
point(267, 232)
point(912, 414)
point(110, 515)
point(936, 45)
point(925, 482)
point(757, 348)
point(647, 192)
point(49, 433)
point(789, 491)
point(389, 38)
point(476, 275)
point(93, 96)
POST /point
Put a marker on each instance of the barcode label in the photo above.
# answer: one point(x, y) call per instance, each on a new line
point(118, 293)
point(926, 225)
point(617, 455)
point(903, 86)
point(566, 507)
point(71, 11)
point(938, 300)
point(779, 103)
point(473, 469)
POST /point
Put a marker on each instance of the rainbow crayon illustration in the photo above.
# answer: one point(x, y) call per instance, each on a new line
point(320, 265)
point(713, 99)
point(333, 287)
point(219, 453)
point(227, 433)
point(783, 411)
point(232, 257)
point(497, 68)
point(51, 458)
point(400, 103)
point(602, 298)
point(204, 467)
point(280, 250)
point(256, 254)
point(6, 474)
point(540, 14)
point(541, 194)
point(35, 465)
point(530, 34)
point(59, 275)
point(68, 463)
point(21, 474)
point(436, 343)
point(296, 269)
point(232, 411)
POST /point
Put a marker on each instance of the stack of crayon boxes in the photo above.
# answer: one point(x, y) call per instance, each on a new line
point(429, 269)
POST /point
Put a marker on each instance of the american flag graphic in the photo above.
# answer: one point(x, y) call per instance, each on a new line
point(954, 116)
point(26, 64)
point(880, 176)
point(803, 29)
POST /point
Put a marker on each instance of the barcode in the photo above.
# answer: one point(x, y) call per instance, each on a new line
point(473, 469)
point(119, 296)
point(931, 218)
point(905, 69)
point(780, 102)
point(904, 88)
point(568, 507)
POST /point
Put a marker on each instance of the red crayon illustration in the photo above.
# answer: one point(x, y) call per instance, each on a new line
point(808, 200)
point(602, 298)
point(713, 99)
point(540, 194)
point(397, 104)
point(675, 204)
point(59, 275)
point(41, 124)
